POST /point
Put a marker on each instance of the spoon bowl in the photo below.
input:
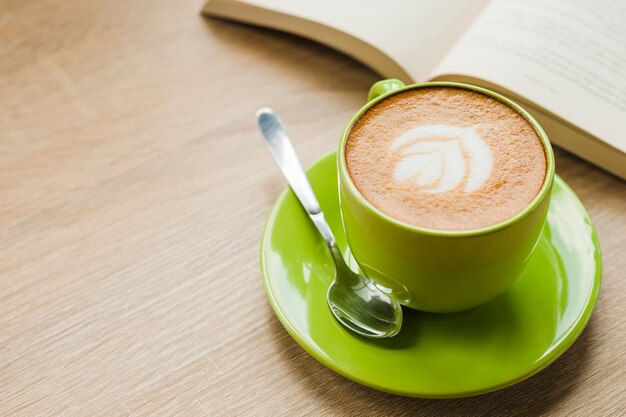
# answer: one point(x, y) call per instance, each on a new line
point(364, 308)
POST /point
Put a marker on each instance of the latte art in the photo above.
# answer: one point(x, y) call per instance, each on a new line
point(441, 158)
point(445, 158)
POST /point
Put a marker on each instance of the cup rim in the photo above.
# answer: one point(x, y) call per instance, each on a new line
point(534, 203)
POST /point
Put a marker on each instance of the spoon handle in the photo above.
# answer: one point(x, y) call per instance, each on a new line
point(285, 157)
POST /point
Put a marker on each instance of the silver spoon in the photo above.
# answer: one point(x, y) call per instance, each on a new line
point(353, 299)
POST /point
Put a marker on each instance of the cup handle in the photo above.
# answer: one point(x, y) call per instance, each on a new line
point(384, 87)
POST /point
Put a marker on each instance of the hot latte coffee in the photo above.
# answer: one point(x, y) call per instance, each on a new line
point(445, 158)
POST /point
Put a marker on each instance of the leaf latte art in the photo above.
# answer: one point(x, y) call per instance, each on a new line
point(441, 158)
point(445, 158)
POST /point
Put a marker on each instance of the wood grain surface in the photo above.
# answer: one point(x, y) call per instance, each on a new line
point(133, 191)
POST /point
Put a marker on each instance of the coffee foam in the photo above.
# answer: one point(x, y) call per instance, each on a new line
point(446, 158)
point(440, 157)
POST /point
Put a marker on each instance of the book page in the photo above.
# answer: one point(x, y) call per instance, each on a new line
point(567, 56)
point(415, 34)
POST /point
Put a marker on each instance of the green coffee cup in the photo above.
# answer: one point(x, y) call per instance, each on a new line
point(433, 270)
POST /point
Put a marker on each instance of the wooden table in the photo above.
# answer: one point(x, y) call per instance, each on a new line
point(134, 188)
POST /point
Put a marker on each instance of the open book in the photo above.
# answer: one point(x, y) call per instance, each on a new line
point(564, 60)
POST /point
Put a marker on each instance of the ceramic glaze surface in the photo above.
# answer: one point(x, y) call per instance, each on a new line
point(452, 223)
point(436, 355)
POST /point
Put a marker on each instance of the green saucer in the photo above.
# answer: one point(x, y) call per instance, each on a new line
point(436, 355)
